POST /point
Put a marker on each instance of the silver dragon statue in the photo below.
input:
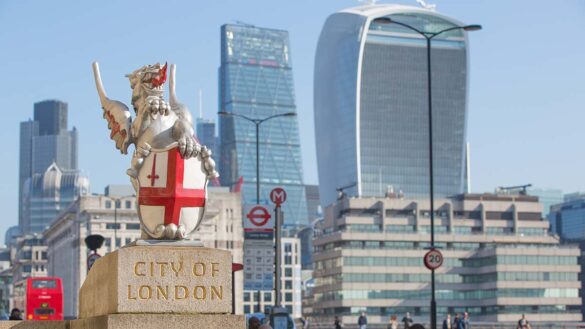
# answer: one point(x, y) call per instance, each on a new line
point(169, 168)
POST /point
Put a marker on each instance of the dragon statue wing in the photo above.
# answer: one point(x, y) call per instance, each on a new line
point(116, 114)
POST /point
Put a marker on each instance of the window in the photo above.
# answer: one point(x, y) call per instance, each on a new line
point(132, 226)
point(108, 204)
point(246, 296)
point(288, 284)
point(267, 297)
point(128, 204)
point(288, 272)
point(112, 226)
point(288, 297)
point(246, 309)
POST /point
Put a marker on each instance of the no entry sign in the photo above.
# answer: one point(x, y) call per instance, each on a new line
point(278, 196)
point(433, 259)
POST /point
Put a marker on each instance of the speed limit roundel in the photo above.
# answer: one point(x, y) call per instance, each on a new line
point(433, 259)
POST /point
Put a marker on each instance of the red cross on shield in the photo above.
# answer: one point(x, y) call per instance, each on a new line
point(172, 190)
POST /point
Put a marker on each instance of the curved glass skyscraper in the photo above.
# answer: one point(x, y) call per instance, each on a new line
point(371, 110)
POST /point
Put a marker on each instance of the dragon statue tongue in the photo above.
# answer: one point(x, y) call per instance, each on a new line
point(161, 78)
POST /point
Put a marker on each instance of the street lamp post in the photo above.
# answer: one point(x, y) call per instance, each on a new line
point(257, 122)
point(429, 36)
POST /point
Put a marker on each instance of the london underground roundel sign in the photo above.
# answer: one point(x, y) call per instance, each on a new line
point(433, 259)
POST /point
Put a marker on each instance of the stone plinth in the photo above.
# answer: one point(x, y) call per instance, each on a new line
point(155, 280)
point(157, 321)
point(33, 324)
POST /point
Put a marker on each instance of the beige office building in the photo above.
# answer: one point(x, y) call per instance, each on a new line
point(499, 261)
point(263, 300)
point(98, 214)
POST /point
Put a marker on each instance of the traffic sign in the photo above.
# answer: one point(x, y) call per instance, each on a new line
point(91, 260)
point(433, 259)
point(258, 223)
point(258, 216)
point(278, 196)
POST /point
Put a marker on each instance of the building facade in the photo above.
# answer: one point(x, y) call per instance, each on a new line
point(499, 261)
point(28, 257)
point(256, 81)
point(44, 141)
point(205, 131)
point(262, 300)
point(371, 105)
point(48, 193)
point(567, 220)
point(115, 218)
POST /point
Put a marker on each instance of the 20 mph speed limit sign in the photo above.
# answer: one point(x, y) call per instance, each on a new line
point(433, 259)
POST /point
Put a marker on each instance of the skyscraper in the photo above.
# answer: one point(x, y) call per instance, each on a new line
point(371, 106)
point(255, 79)
point(205, 131)
point(44, 141)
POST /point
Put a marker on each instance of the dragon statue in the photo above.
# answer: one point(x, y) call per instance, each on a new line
point(169, 168)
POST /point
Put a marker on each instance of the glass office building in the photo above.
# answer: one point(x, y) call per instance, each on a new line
point(44, 141)
point(371, 105)
point(256, 80)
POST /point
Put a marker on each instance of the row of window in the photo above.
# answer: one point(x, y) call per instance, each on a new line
point(457, 214)
point(520, 260)
point(128, 204)
point(446, 278)
point(483, 310)
point(448, 262)
point(449, 294)
point(521, 276)
point(266, 296)
point(118, 226)
point(425, 229)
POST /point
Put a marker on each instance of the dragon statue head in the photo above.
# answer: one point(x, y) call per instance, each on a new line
point(147, 81)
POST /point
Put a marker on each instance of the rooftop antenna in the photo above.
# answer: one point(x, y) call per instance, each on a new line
point(426, 5)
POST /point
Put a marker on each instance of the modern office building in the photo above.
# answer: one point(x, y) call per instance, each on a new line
point(313, 203)
point(96, 214)
point(255, 79)
point(261, 300)
point(205, 131)
point(547, 196)
point(48, 193)
point(567, 220)
point(43, 141)
point(499, 261)
point(371, 105)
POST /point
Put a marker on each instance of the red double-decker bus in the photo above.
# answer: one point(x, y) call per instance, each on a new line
point(39, 298)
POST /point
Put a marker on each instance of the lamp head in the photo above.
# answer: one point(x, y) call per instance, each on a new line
point(470, 28)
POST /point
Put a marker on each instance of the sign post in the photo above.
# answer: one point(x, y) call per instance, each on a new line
point(278, 197)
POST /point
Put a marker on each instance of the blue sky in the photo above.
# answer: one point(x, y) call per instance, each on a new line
point(527, 77)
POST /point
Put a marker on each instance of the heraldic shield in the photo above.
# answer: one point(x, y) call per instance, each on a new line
point(172, 194)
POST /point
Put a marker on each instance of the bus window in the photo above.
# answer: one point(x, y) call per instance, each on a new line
point(44, 284)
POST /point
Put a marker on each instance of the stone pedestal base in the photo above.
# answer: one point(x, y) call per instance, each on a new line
point(158, 279)
point(157, 321)
point(33, 324)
